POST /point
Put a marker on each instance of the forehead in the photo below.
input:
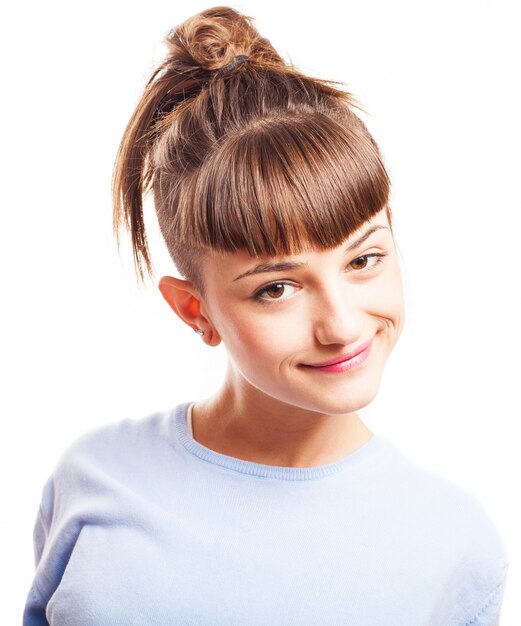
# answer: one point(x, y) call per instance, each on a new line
point(227, 263)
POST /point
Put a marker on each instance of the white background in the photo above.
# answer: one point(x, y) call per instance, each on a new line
point(82, 345)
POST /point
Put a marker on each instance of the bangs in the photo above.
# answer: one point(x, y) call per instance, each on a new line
point(283, 185)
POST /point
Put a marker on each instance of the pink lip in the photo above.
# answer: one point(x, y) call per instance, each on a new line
point(344, 362)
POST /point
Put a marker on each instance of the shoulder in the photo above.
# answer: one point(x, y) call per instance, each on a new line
point(118, 443)
point(115, 458)
point(449, 526)
point(453, 509)
point(101, 479)
point(102, 473)
point(432, 494)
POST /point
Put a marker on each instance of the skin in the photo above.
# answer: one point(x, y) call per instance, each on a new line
point(273, 408)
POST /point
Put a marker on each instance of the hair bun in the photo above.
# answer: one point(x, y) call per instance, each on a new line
point(213, 39)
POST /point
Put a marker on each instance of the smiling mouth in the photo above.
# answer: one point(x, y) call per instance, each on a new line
point(343, 358)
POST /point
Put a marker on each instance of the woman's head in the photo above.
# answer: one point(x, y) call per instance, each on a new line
point(252, 163)
point(260, 158)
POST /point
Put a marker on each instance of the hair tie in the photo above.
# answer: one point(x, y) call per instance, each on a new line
point(239, 59)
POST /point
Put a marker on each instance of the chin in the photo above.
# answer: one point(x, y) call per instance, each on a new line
point(351, 406)
point(351, 402)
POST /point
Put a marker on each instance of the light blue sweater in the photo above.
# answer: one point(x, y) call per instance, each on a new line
point(142, 525)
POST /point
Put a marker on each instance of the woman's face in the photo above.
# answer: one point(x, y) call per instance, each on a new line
point(281, 318)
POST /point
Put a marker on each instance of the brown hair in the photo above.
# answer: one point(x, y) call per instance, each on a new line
point(242, 153)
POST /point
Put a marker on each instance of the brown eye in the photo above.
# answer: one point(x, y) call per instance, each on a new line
point(275, 291)
point(366, 263)
point(360, 263)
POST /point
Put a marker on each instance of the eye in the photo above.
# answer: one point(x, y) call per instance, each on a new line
point(366, 262)
point(273, 292)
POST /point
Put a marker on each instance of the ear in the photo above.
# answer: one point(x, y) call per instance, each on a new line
point(187, 304)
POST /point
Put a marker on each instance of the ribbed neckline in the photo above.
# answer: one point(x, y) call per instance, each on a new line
point(365, 453)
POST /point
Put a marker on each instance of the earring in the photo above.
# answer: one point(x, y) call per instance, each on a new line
point(199, 331)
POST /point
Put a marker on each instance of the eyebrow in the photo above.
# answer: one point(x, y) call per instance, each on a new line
point(291, 265)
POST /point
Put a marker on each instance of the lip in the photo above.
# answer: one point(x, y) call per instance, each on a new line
point(342, 358)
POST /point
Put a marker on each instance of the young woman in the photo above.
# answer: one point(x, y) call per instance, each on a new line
point(270, 502)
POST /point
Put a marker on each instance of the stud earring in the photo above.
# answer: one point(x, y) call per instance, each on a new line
point(199, 331)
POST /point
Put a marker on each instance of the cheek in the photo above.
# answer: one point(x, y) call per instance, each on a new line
point(392, 305)
point(385, 298)
point(257, 334)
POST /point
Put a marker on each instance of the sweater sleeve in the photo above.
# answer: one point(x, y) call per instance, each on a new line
point(34, 613)
point(80, 494)
point(489, 613)
point(57, 529)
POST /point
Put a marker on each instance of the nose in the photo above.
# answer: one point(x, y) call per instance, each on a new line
point(337, 316)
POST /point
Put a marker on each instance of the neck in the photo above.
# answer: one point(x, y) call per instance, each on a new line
point(243, 422)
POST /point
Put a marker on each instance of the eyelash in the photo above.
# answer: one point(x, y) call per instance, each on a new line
point(257, 296)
